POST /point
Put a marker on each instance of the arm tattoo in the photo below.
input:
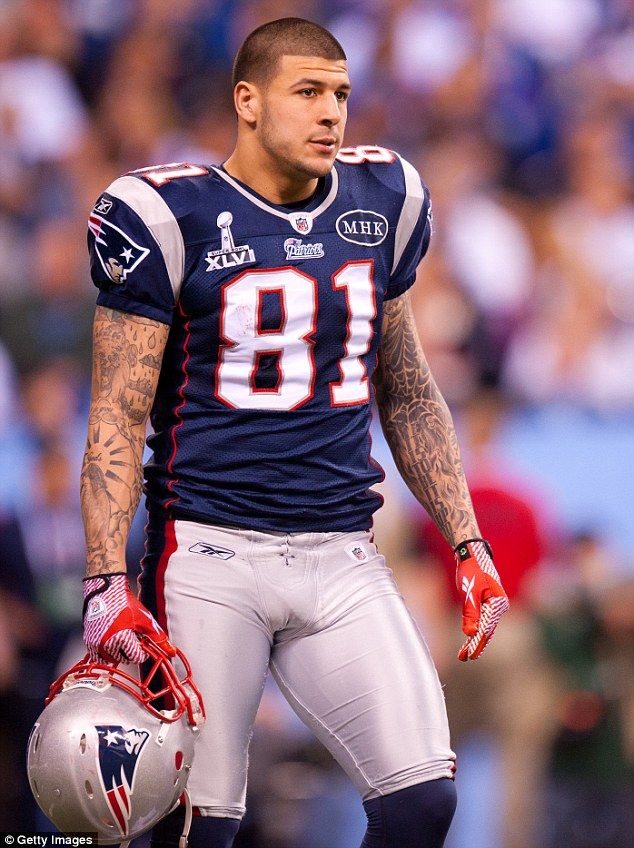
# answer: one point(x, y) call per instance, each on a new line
point(127, 355)
point(419, 428)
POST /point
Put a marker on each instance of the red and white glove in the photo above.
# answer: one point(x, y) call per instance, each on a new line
point(114, 618)
point(484, 599)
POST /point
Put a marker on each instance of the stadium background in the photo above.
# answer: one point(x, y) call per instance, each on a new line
point(520, 118)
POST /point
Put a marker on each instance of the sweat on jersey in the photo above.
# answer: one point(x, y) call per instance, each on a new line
point(262, 413)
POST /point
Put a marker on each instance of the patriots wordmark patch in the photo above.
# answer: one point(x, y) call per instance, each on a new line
point(118, 253)
point(212, 550)
point(118, 757)
point(296, 249)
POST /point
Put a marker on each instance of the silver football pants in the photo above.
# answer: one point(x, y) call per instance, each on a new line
point(323, 612)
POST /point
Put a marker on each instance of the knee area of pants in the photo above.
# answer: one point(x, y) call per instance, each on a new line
point(402, 818)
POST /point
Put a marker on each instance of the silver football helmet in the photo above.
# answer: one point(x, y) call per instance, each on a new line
point(111, 754)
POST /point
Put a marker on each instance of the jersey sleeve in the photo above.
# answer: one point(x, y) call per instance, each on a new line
point(413, 232)
point(136, 250)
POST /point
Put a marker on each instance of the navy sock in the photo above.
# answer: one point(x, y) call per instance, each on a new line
point(416, 817)
point(205, 832)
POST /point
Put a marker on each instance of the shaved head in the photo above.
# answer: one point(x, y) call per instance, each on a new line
point(258, 58)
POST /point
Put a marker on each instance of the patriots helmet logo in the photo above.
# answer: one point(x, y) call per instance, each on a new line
point(118, 254)
point(118, 756)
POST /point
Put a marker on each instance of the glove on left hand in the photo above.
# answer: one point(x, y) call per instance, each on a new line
point(485, 601)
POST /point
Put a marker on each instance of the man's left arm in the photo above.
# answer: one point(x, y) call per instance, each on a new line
point(420, 432)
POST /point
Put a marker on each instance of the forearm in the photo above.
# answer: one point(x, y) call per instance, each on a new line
point(419, 429)
point(421, 436)
point(111, 483)
point(127, 354)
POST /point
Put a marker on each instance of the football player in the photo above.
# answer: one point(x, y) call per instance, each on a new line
point(254, 310)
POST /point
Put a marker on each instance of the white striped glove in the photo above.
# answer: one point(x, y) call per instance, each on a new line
point(484, 599)
point(114, 618)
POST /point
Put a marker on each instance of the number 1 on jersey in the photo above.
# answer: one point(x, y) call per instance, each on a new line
point(246, 344)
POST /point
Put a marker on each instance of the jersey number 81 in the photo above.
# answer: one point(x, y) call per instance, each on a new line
point(245, 342)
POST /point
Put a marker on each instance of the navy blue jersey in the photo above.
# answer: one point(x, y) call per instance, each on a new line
point(262, 412)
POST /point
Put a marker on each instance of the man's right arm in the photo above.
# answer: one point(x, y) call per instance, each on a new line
point(127, 354)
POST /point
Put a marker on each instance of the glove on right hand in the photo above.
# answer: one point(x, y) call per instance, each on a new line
point(114, 618)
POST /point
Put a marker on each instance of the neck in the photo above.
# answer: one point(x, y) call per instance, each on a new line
point(262, 176)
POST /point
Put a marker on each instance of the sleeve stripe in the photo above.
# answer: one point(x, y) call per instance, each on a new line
point(160, 220)
point(409, 213)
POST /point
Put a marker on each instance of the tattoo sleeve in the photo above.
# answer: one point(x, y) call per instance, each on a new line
point(418, 426)
point(127, 355)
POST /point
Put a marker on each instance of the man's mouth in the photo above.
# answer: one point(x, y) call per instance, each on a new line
point(326, 144)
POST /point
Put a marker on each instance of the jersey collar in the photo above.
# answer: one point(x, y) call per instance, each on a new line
point(323, 200)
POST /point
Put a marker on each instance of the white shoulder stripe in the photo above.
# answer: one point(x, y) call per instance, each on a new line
point(160, 220)
point(409, 213)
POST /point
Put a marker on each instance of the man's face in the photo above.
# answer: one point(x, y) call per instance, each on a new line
point(303, 114)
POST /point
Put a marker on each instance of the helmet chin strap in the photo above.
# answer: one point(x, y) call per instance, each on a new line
point(189, 813)
point(182, 842)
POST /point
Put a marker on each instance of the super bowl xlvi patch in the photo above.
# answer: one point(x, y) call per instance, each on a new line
point(229, 255)
point(296, 249)
point(212, 550)
point(362, 226)
point(357, 552)
point(118, 253)
point(118, 757)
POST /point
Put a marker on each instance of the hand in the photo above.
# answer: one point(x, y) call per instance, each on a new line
point(114, 619)
point(485, 601)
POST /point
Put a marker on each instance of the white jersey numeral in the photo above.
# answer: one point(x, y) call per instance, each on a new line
point(245, 342)
point(159, 174)
point(246, 345)
point(354, 384)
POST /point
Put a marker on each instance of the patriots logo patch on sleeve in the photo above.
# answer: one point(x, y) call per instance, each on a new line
point(119, 752)
point(118, 254)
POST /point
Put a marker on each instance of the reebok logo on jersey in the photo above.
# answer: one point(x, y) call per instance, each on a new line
point(229, 255)
point(103, 206)
point(212, 550)
point(467, 586)
point(295, 249)
point(362, 226)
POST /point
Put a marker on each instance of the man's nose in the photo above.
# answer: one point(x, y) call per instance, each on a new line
point(331, 113)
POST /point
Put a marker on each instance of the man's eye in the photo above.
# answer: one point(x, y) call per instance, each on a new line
point(309, 92)
point(342, 96)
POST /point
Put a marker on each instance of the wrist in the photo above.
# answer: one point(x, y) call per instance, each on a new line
point(462, 549)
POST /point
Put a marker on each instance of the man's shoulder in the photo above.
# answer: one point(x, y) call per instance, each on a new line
point(177, 185)
point(373, 164)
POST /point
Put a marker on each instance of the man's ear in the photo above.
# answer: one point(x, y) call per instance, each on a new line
point(248, 102)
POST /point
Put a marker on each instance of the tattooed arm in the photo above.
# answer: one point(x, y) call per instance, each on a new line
point(418, 426)
point(127, 354)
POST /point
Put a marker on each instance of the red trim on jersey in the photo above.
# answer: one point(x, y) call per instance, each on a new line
point(169, 547)
point(170, 464)
point(364, 380)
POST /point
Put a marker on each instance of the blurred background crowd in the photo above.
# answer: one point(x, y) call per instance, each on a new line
point(520, 118)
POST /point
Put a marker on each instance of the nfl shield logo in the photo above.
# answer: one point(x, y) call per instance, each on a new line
point(302, 222)
point(359, 553)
